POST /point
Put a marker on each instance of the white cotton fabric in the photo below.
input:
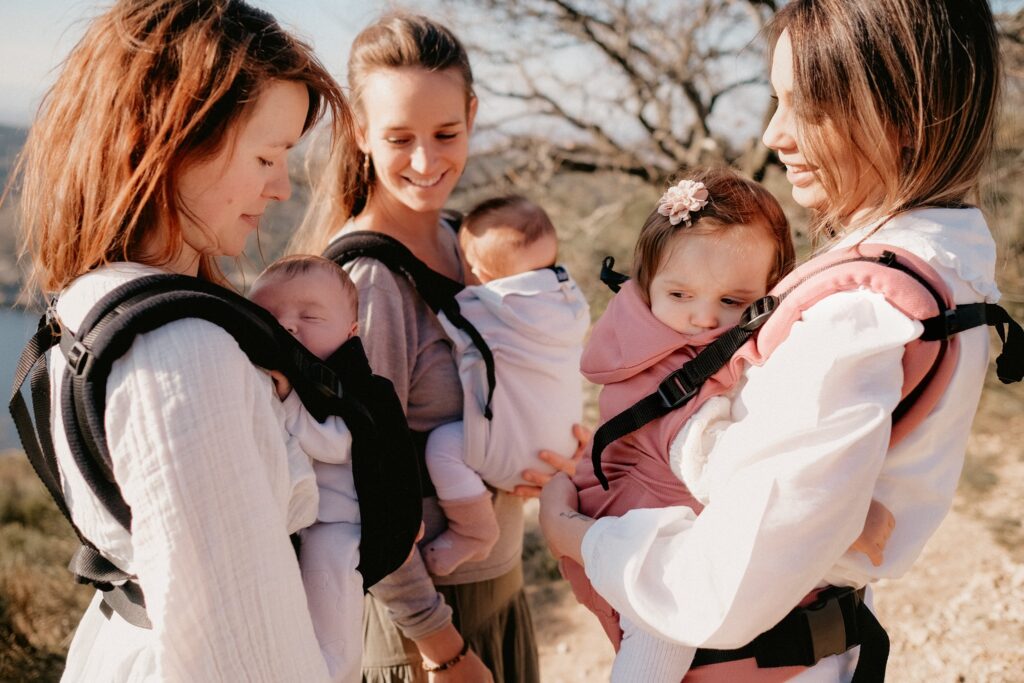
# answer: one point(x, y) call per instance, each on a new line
point(215, 485)
point(642, 656)
point(534, 326)
point(790, 477)
point(330, 548)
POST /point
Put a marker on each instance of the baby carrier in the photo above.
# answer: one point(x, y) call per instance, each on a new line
point(835, 619)
point(437, 291)
point(384, 465)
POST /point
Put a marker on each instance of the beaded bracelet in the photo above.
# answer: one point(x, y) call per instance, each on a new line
point(434, 668)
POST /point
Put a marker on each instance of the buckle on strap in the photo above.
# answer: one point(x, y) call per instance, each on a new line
point(827, 626)
point(78, 358)
point(810, 633)
point(675, 390)
point(757, 313)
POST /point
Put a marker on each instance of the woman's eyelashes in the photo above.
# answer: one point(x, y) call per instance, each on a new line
point(266, 163)
point(402, 141)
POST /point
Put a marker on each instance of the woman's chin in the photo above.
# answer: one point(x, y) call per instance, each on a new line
point(811, 196)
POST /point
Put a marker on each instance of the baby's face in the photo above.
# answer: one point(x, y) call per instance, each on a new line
point(484, 253)
point(312, 306)
point(707, 280)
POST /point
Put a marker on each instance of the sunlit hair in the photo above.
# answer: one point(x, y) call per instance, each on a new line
point(521, 223)
point(153, 86)
point(395, 41)
point(910, 86)
point(297, 265)
point(733, 201)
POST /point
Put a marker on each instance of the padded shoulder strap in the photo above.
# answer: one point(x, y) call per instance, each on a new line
point(437, 290)
point(143, 305)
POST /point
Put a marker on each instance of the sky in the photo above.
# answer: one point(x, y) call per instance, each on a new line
point(35, 35)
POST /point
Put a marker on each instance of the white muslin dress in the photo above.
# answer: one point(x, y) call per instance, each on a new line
point(806, 446)
point(215, 486)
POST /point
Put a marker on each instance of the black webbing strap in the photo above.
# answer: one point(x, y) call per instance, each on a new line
point(1010, 362)
point(437, 290)
point(681, 385)
point(835, 622)
point(125, 598)
point(614, 280)
point(120, 593)
point(38, 446)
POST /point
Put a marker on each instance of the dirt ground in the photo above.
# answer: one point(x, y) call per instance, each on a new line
point(956, 617)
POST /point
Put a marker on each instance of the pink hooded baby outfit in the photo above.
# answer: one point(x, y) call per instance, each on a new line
point(630, 352)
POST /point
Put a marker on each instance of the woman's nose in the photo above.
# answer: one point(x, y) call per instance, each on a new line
point(280, 186)
point(421, 159)
point(777, 135)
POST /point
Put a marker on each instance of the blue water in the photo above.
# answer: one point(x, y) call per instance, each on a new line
point(16, 326)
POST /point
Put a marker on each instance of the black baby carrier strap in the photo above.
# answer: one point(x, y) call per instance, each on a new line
point(384, 464)
point(107, 333)
point(437, 290)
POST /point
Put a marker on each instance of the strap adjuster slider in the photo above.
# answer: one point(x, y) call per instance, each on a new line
point(674, 390)
point(78, 358)
point(758, 312)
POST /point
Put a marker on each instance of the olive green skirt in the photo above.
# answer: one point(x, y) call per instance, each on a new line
point(492, 616)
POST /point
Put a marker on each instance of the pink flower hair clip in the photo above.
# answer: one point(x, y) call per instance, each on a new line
point(682, 199)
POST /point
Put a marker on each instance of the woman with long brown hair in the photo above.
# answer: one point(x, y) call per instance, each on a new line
point(412, 92)
point(157, 150)
point(885, 117)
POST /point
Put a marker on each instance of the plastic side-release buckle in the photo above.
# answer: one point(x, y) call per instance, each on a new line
point(757, 313)
point(826, 625)
point(78, 358)
point(674, 390)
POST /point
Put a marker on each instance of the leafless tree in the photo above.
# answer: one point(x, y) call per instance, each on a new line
point(643, 87)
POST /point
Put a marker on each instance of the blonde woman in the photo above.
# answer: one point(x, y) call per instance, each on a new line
point(885, 117)
point(163, 141)
point(412, 92)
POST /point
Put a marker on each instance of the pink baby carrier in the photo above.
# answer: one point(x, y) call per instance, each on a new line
point(640, 362)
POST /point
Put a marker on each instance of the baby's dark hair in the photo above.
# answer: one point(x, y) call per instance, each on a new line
point(732, 200)
point(527, 221)
point(292, 266)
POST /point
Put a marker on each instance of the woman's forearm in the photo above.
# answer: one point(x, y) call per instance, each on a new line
point(561, 522)
point(412, 601)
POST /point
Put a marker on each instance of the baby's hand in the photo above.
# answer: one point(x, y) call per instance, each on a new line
point(877, 528)
point(281, 384)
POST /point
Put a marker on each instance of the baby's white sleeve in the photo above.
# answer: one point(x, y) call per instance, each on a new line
point(330, 441)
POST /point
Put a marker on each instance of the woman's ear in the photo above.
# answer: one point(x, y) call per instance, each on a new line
point(471, 113)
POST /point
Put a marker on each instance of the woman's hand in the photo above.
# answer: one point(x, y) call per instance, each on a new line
point(556, 460)
point(560, 520)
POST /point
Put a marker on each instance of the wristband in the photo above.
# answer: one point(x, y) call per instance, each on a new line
point(434, 668)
